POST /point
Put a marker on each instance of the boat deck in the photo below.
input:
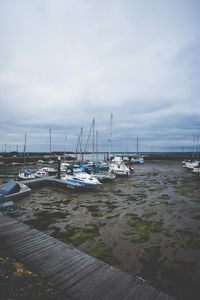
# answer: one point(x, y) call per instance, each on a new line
point(53, 180)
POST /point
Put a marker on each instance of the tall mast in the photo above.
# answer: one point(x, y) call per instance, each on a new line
point(110, 137)
point(137, 144)
point(65, 147)
point(81, 142)
point(97, 146)
point(79, 145)
point(193, 147)
point(24, 148)
point(50, 143)
point(93, 136)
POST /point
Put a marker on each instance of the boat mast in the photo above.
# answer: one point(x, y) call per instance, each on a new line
point(79, 145)
point(110, 138)
point(197, 146)
point(50, 144)
point(97, 146)
point(24, 149)
point(65, 147)
point(93, 136)
point(137, 144)
point(81, 142)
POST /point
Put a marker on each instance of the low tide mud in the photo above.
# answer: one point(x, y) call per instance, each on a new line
point(147, 224)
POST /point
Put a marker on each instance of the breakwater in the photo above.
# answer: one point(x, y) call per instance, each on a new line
point(9, 158)
point(178, 156)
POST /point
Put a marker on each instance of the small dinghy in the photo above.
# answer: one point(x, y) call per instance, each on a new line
point(14, 189)
point(24, 175)
point(7, 206)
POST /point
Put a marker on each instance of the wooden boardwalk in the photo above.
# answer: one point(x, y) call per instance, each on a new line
point(77, 274)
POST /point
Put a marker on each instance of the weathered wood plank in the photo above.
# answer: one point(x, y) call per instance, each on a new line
point(77, 272)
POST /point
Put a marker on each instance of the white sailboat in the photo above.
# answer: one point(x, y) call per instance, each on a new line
point(119, 168)
point(25, 174)
point(80, 178)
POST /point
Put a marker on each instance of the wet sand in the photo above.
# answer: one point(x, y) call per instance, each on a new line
point(147, 224)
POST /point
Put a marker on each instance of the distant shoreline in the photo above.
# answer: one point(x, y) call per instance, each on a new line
point(14, 157)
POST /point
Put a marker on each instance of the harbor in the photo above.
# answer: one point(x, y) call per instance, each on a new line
point(145, 225)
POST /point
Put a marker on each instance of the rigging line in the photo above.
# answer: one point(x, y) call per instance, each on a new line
point(86, 145)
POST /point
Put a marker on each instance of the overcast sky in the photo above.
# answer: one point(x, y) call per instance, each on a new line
point(65, 62)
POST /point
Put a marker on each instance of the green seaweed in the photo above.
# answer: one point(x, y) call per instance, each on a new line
point(45, 218)
point(150, 255)
point(111, 206)
point(164, 196)
point(183, 189)
point(142, 185)
point(143, 226)
point(66, 200)
point(104, 254)
point(150, 214)
point(76, 235)
point(131, 198)
point(94, 209)
point(194, 241)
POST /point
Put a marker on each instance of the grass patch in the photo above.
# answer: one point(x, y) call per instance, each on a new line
point(94, 209)
point(111, 206)
point(148, 215)
point(76, 235)
point(164, 196)
point(132, 185)
point(169, 203)
point(150, 256)
point(144, 227)
point(44, 219)
point(194, 241)
point(57, 189)
point(104, 254)
point(142, 185)
point(183, 189)
point(112, 217)
point(66, 200)
point(132, 198)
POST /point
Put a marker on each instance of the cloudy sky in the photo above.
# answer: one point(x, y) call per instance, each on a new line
point(65, 62)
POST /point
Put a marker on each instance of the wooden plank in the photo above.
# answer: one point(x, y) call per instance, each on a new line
point(79, 285)
point(111, 282)
point(43, 254)
point(114, 289)
point(70, 265)
point(77, 271)
point(55, 258)
point(20, 236)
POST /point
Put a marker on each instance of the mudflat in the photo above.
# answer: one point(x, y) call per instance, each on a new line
point(147, 225)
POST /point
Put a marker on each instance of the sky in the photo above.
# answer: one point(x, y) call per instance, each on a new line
point(65, 62)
